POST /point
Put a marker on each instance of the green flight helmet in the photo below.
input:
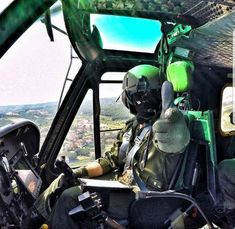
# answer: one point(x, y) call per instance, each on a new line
point(142, 78)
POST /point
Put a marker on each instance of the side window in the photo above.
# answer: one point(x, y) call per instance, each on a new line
point(78, 147)
point(113, 113)
point(32, 76)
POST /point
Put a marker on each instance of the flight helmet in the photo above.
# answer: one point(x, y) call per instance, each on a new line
point(142, 91)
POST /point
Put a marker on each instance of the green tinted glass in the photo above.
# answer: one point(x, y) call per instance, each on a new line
point(127, 33)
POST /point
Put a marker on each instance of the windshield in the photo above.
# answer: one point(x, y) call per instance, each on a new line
point(127, 33)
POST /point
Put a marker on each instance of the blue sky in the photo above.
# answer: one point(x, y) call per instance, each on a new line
point(128, 33)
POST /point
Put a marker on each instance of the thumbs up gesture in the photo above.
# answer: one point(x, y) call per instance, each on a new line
point(170, 132)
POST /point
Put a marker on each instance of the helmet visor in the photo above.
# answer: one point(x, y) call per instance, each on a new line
point(147, 104)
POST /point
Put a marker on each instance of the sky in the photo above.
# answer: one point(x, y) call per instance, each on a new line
point(33, 69)
point(4, 4)
point(127, 33)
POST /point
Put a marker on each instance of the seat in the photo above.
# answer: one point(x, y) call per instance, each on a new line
point(188, 184)
point(168, 209)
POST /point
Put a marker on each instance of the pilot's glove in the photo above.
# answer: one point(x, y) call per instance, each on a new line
point(170, 132)
point(69, 177)
point(72, 180)
point(66, 179)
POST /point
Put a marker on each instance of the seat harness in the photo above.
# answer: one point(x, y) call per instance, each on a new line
point(129, 169)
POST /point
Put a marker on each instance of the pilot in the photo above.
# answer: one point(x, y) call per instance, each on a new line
point(149, 146)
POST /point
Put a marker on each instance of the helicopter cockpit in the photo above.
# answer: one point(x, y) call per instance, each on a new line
point(190, 42)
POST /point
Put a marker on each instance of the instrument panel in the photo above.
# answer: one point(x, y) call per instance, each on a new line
point(19, 181)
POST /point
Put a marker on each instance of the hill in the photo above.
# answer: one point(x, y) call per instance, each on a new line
point(43, 113)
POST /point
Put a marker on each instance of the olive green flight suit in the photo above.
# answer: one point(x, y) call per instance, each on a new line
point(156, 174)
point(159, 167)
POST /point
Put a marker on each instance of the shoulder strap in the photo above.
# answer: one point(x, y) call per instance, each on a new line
point(139, 181)
point(138, 142)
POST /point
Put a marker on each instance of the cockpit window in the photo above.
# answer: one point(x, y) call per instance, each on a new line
point(127, 33)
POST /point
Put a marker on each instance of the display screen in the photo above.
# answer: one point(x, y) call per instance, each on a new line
point(29, 177)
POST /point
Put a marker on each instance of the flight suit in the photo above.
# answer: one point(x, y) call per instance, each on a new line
point(159, 167)
point(156, 174)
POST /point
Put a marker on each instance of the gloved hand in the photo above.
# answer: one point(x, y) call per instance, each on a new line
point(69, 177)
point(72, 180)
point(65, 180)
point(170, 132)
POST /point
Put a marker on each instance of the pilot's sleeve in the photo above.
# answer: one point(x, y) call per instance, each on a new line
point(110, 161)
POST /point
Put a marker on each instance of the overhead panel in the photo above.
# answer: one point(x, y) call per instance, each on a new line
point(212, 23)
point(201, 10)
point(212, 43)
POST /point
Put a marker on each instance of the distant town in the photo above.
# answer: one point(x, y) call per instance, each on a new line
point(78, 147)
